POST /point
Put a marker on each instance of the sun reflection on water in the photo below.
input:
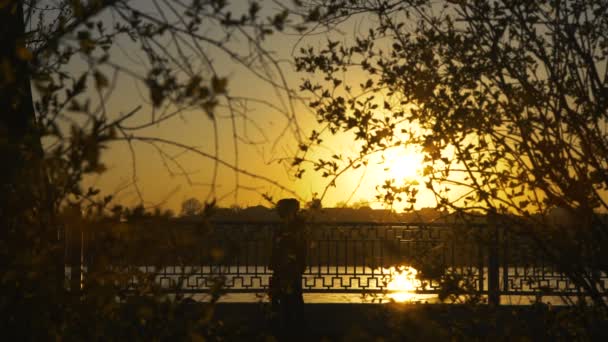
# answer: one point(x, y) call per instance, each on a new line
point(402, 283)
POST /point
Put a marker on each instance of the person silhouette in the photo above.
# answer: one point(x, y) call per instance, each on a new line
point(288, 262)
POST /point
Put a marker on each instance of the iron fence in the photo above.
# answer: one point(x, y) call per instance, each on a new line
point(343, 257)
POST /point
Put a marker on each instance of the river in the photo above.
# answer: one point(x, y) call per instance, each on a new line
point(345, 284)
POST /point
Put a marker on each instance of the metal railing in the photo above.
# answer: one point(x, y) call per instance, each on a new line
point(348, 257)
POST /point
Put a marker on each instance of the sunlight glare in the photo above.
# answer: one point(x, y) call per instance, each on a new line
point(403, 283)
point(404, 166)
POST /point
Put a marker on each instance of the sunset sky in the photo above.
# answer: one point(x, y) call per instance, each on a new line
point(264, 138)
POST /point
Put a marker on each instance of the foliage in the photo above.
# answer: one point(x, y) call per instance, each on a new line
point(506, 100)
point(59, 67)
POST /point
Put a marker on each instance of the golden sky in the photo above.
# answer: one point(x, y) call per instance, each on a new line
point(271, 136)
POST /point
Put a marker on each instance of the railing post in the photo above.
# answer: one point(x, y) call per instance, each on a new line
point(493, 262)
point(74, 251)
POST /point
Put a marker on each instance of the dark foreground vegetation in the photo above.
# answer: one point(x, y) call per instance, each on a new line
point(406, 322)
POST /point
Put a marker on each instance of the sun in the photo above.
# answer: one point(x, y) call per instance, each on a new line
point(403, 166)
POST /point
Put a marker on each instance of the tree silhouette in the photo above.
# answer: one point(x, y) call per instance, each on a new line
point(191, 206)
point(59, 67)
point(507, 100)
